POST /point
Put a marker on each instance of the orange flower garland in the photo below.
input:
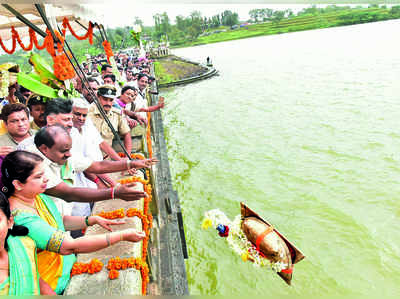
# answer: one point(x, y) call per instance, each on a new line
point(48, 39)
point(33, 37)
point(89, 33)
point(134, 179)
point(63, 69)
point(113, 274)
point(146, 223)
point(16, 36)
point(14, 44)
point(93, 267)
point(133, 156)
point(112, 215)
point(115, 264)
point(107, 48)
point(148, 136)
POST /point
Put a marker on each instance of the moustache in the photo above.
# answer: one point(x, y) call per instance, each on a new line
point(107, 106)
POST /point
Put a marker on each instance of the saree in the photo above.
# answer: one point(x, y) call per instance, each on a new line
point(48, 231)
point(23, 275)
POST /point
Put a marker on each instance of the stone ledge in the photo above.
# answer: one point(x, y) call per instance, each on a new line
point(129, 281)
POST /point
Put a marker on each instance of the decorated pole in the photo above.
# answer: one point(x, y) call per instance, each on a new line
point(64, 68)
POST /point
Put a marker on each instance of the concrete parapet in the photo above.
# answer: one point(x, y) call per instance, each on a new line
point(129, 281)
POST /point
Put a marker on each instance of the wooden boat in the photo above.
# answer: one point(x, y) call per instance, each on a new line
point(270, 242)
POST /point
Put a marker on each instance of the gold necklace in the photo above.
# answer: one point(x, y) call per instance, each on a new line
point(24, 203)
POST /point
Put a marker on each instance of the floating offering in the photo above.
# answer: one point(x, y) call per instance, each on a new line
point(256, 240)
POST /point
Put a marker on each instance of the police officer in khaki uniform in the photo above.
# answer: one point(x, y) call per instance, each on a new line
point(106, 95)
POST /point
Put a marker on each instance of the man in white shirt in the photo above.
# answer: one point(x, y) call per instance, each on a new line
point(54, 144)
point(59, 112)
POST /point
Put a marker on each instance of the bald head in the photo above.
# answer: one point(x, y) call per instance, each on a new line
point(55, 143)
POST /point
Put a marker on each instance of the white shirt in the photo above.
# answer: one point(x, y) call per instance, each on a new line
point(77, 162)
point(141, 102)
point(85, 143)
point(91, 141)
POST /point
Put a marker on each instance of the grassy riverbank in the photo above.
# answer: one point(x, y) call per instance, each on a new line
point(298, 23)
point(170, 69)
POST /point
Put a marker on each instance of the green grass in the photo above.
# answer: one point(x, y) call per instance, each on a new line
point(171, 69)
point(300, 23)
point(161, 74)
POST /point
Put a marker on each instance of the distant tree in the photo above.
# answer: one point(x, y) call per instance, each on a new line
point(165, 25)
point(278, 15)
point(196, 24)
point(289, 13)
point(255, 14)
point(395, 11)
point(180, 22)
point(138, 21)
point(229, 18)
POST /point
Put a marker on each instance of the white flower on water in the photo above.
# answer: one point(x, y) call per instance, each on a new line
point(238, 241)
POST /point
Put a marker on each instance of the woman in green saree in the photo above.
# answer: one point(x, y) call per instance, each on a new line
point(18, 271)
point(24, 181)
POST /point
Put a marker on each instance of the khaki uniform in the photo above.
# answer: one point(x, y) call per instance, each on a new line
point(34, 126)
point(117, 120)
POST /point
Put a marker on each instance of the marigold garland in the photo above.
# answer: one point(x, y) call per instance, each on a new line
point(148, 136)
point(14, 44)
point(16, 36)
point(136, 156)
point(93, 267)
point(134, 179)
point(113, 214)
point(33, 37)
point(63, 69)
point(113, 274)
point(115, 264)
point(107, 48)
point(89, 33)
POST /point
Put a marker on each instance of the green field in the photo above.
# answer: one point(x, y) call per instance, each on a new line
point(300, 23)
point(171, 69)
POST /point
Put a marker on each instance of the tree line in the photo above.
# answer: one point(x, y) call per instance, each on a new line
point(189, 28)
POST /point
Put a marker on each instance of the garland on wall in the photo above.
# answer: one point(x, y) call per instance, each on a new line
point(116, 264)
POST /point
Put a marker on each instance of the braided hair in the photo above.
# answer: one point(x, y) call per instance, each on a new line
point(16, 230)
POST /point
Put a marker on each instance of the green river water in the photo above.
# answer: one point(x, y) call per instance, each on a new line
point(305, 128)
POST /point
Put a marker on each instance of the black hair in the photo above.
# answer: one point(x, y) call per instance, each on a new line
point(57, 106)
point(105, 66)
point(35, 100)
point(91, 79)
point(46, 135)
point(111, 76)
point(17, 165)
point(16, 230)
point(23, 89)
point(141, 75)
point(11, 108)
point(126, 88)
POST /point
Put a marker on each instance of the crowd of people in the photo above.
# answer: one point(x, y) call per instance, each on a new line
point(56, 156)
